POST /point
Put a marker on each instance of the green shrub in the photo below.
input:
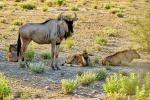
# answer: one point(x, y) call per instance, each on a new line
point(29, 55)
point(147, 84)
point(5, 89)
point(96, 60)
point(120, 14)
point(17, 22)
point(116, 96)
point(60, 2)
point(74, 8)
point(45, 8)
point(109, 6)
point(28, 6)
point(46, 55)
point(79, 73)
point(22, 64)
point(108, 67)
point(115, 10)
point(110, 31)
point(49, 3)
point(131, 85)
point(3, 21)
point(69, 43)
point(69, 86)
point(86, 78)
point(100, 41)
point(101, 74)
point(2, 5)
point(112, 84)
point(140, 94)
point(37, 68)
point(18, 0)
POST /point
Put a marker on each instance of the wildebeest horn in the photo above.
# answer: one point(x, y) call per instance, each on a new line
point(75, 17)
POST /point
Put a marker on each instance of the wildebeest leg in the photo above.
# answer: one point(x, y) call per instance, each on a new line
point(56, 56)
point(25, 43)
point(53, 58)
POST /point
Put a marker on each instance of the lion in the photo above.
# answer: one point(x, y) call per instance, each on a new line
point(121, 58)
point(12, 53)
point(78, 59)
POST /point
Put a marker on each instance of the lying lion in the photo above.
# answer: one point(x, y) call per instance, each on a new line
point(12, 53)
point(78, 59)
point(121, 58)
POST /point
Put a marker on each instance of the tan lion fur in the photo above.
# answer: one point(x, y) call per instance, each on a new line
point(12, 53)
point(78, 59)
point(121, 58)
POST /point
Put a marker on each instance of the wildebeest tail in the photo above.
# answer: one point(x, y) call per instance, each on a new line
point(18, 45)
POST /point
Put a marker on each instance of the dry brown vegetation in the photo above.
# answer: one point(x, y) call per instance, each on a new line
point(104, 27)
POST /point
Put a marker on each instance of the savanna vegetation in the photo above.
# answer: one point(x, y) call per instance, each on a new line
point(103, 28)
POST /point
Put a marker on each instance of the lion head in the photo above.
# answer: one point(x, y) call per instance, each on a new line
point(12, 53)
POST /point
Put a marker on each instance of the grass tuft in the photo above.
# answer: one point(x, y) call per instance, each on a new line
point(37, 68)
point(86, 78)
point(68, 86)
point(46, 55)
point(5, 89)
point(29, 55)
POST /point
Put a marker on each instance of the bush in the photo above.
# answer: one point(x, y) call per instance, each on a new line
point(120, 14)
point(100, 41)
point(18, 22)
point(86, 78)
point(49, 3)
point(101, 74)
point(22, 64)
point(95, 60)
point(79, 73)
point(37, 68)
point(112, 84)
point(108, 67)
point(115, 10)
point(109, 6)
point(46, 55)
point(45, 8)
point(60, 2)
point(110, 31)
point(29, 55)
point(5, 89)
point(74, 8)
point(68, 86)
point(116, 96)
point(2, 5)
point(140, 94)
point(28, 6)
point(69, 43)
point(130, 85)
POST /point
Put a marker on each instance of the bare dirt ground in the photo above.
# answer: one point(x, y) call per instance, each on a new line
point(91, 22)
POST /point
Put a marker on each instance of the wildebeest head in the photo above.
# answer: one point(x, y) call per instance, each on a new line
point(69, 21)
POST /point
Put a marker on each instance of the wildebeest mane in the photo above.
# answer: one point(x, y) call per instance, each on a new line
point(46, 21)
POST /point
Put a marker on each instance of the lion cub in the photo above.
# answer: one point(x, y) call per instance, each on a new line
point(78, 59)
point(121, 58)
point(12, 53)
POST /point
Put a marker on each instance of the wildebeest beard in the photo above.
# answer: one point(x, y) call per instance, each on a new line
point(70, 31)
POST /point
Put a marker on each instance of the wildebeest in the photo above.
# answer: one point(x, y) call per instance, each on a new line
point(52, 31)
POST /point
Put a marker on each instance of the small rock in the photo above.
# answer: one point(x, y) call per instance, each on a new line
point(47, 87)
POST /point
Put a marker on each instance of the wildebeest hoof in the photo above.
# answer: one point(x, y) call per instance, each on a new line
point(57, 68)
point(53, 68)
